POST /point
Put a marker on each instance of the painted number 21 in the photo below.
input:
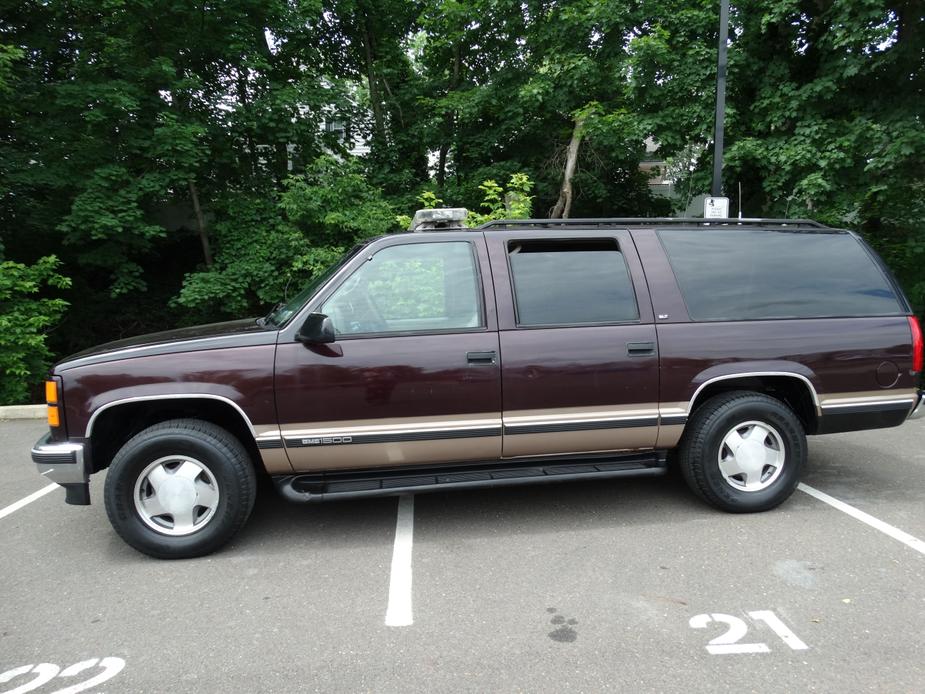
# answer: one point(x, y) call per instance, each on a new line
point(728, 642)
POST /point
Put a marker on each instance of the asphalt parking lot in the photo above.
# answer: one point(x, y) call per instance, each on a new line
point(583, 587)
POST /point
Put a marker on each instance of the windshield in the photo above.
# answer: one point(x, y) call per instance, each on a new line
point(285, 309)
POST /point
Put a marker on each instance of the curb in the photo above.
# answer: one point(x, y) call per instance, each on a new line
point(22, 412)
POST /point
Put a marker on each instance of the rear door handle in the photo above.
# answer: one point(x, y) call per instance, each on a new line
point(640, 349)
point(481, 357)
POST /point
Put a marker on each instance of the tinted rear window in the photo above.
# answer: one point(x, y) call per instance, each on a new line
point(748, 274)
point(571, 282)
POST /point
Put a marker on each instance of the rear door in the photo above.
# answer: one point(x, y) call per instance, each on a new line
point(413, 376)
point(578, 344)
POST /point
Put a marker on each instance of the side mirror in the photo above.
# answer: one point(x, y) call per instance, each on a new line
point(316, 330)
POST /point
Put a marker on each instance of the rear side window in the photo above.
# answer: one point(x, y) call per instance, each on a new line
point(571, 282)
point(750, 274)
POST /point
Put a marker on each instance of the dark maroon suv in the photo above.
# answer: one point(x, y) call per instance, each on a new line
point(523, 351)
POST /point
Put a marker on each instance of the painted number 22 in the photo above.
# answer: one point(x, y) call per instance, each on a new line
point(728, 642)
point(43, 673)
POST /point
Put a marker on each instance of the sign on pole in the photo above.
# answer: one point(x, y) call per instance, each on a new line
point(715, 208)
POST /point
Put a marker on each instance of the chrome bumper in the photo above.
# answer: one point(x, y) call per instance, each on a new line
point(64, 463)
point(918, 411)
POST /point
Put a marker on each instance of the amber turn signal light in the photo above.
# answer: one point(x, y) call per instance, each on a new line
point(54, 418)
point(51, 392)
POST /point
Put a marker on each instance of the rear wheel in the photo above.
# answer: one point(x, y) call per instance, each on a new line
point(180, 489)
point(743, 452)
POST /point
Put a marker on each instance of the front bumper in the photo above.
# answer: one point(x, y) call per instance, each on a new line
point(64, 463)
point(918, 411)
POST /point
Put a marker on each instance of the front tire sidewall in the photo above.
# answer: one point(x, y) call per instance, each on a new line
point(131, 461)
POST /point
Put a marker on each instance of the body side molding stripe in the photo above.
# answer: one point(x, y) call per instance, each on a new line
point(267, 443)
point(339, 439)
point(514, 429)
point(868, 407)
point(341, 433)
point(903, 399)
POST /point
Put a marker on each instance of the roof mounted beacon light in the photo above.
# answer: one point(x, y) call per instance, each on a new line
point(439, 219)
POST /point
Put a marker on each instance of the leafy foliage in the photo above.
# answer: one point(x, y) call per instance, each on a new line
point(268, 244)
point(824, 114)
point(25, 317)
point(515, 203)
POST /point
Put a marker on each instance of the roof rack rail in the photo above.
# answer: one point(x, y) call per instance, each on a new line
point(649, 221)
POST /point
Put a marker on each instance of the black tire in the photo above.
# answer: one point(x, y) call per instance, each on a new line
point(224, 458)
point(699, 451)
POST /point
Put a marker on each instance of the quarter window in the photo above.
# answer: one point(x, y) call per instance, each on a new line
point(571, 282)
point(750, 274)
point(415, 287)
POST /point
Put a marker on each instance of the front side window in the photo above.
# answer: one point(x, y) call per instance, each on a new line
point(755, 274)
point(571, 282)
point(416, 287)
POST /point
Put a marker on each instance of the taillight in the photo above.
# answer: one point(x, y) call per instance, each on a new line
point(918, 349)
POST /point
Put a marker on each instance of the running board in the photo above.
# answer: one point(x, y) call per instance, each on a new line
point(367, 483)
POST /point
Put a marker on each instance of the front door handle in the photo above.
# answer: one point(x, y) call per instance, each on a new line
point(486, 358)
point(640, 349)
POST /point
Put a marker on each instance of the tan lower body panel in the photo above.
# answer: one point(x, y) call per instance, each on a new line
point(659, 428)
point(395, 454)
point(669, 435)
point(275, 461)
point(578, 442)
point(397, 442)
point(580, 429)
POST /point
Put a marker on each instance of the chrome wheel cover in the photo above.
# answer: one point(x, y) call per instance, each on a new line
point(751, 456)
point(176, 495)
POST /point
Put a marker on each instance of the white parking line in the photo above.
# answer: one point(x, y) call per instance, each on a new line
point(887, 529)
point(28, 500)
point(398, 613)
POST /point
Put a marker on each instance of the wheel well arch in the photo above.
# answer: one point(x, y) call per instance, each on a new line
point(112, 427)
point(793, 390)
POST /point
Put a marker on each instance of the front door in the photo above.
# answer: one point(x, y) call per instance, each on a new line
point(578, 343)
point(413, 376)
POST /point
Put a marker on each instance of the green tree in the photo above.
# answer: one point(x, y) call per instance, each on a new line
point(25, 318)
point(539, 88)
point(824, 111)
point(266, 245)
point(134, 123)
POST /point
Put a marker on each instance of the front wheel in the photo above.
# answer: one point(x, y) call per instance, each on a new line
point(743, 452)
point(180, 489)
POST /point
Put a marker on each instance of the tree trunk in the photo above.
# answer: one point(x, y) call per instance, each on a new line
point(280, 150)
point(200, 221)
point(564, 203)
point(441, 164)
point(448, 119)
point(374, 98)
point(388, 90)
point(245, 105)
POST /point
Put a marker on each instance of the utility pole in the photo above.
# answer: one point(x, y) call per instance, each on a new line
point(720, 99)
